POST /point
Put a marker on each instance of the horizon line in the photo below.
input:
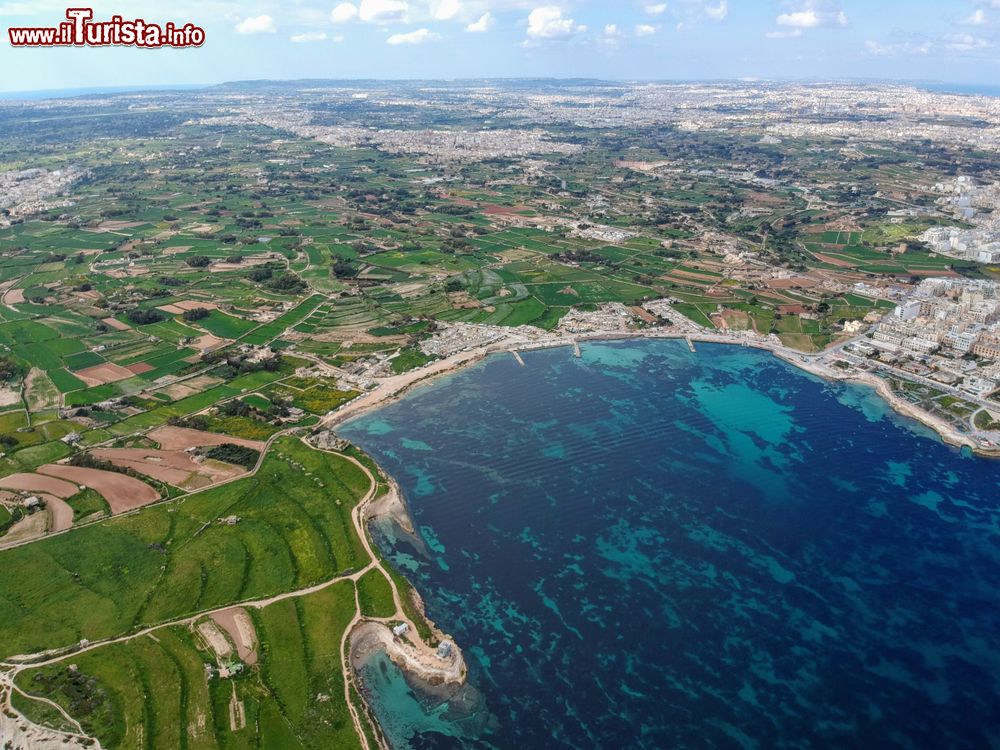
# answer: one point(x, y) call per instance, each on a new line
point(75, 91)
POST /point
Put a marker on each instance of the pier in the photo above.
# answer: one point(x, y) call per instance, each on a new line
point(690, 343)
point(517, 356)
point(576, 349)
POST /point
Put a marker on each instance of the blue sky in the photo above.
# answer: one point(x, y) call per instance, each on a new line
point(945, 40)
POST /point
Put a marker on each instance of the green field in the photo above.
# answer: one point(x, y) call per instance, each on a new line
point(183, 707)
point(165, 562)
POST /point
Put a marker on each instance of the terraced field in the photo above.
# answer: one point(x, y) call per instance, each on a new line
point(166, 562)
point(156, 691)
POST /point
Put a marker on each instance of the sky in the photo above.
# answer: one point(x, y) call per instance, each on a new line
point(954, 41)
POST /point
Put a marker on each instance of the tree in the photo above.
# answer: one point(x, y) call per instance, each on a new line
point(286, 283)
point(144, 317)
point(198, 313)
point(11, 369)
point(342, 269)
point(261, 274)
point(198, 261)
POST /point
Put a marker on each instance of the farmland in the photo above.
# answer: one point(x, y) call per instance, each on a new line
point(232, 268)
point(163, 569)
point(276, 700)
point(167, 562)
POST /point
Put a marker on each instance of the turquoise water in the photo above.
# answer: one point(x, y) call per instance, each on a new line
point(649, 548)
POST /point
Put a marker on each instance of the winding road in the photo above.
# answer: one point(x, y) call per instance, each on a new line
point(10, 668)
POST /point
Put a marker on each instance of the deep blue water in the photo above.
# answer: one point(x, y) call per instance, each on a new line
point(649, 548)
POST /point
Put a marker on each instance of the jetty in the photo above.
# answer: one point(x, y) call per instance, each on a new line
point(690, 343)
point(517, 356)
point(576, 349)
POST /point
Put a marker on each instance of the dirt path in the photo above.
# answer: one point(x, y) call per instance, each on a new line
point(17, 664)
point(16, 729)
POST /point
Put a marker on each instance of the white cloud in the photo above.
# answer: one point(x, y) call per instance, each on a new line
point(900, 48)
point(338, 39)
point(309, 36)
point(384, 11)
point(256, 25)
point(718, 12)
point(790, 34)
point(949, 46)
point(656, 10)
point(644, 29)
point(485, 23)
point(978, 18)
point(447, 9)
point(420, 36)
point(692, 13)
point(344, 12)
point(811, 18)
point(965, 42)
point(548, 22)
point(612, 30)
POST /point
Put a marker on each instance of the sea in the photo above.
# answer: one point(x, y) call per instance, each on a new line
point(647, 547)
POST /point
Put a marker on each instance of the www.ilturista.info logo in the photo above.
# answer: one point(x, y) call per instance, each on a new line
point(80, 30)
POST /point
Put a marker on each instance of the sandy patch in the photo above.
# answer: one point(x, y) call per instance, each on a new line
point(799, 282)
point(101, 374)
point(139, 368)
point(173, 467)
point(60, 514)
point(680, 273)
point(118, 273)
point(677, 279)
point(121, 491)
point(203, 382)
point(9, 396)
point(181, 438)
point(643, 314)
point(238, 624)
point(190, 304)
point(177, 391)
point(39, 483)
point(203, 228)
point(253, 260)
point(501, 210)
point(237, 712)
point(176, 250)
point(30, 527)
point(114, 226)
point(172, 309)
point(21, 734)
point(208, 343)
point(13, 296)
point(116, 324)
point(215, 638)
point(839, 262)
